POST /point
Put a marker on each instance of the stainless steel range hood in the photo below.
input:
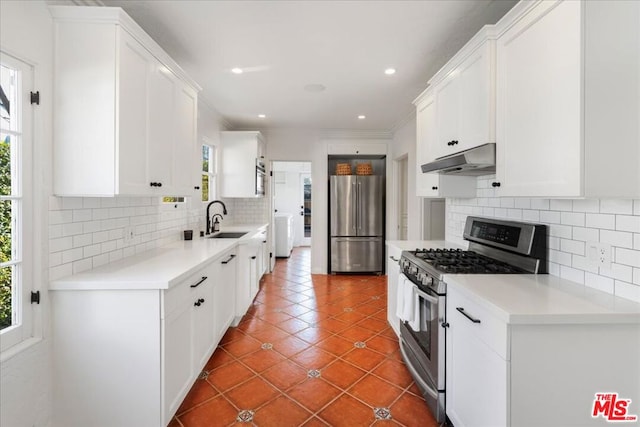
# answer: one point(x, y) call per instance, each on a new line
point(480, 160)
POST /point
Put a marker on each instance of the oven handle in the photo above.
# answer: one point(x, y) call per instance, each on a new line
point(426, 387)
point(431, 299)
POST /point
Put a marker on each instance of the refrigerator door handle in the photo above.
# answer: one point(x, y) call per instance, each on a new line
point(359, 219)
point(354, 211)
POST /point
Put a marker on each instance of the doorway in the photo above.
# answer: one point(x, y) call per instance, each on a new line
point(292, 195)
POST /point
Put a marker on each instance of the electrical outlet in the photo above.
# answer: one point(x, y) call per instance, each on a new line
point(599, 254)
point(128, 234)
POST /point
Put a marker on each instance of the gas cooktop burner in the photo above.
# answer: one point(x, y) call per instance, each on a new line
point(458, 261)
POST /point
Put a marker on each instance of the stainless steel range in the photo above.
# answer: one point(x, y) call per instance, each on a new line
point(495, 247)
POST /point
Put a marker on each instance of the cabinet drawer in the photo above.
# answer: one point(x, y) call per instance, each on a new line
point(175, 297)
point(464, 312)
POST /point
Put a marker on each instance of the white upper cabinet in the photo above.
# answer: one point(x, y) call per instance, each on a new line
point(464, 92)
point(124, 111)
point(241, 151)
point(568, 99)
point(433, 184)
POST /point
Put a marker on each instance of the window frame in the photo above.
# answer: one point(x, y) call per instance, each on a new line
point(22, 189)
point(213, 168)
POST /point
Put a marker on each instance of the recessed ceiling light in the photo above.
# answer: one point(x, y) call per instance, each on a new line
point(315, 88)
point(262, 116)
point(362, 117)
point(236, 70)
point(390, 71)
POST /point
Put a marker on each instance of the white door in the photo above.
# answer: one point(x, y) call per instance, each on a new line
point(303, 227)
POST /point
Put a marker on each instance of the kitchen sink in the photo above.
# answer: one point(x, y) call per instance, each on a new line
point(228, 235)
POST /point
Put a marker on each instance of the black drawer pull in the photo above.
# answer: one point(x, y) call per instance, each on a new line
point(495, 184)
point(201, 280)
point(229, 259)
point(253, 257)
point(464, 313)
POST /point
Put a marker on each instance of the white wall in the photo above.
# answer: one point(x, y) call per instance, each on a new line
point(25, 377)
point(404, 144)
point(571, 223)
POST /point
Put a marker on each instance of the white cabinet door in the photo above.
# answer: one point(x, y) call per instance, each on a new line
point(161, 118)
point(433, 184)
point(225, 292)
point(477, 105)
point(476, 374)
point(185, 147)
point(393, 272)
point(203, 317)
point(178, 357)
point(135, 64)
point(447, 98)
point(539, 148)
point(240, 150)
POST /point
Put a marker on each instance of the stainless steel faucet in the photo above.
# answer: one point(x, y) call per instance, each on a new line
point(224, 211)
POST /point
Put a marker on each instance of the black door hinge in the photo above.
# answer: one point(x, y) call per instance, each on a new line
point(270, 173)
point(270, 254)
point(35, 98)
point(35, 297)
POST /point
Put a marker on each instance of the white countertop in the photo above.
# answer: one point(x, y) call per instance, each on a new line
point(543, 299)
point(159, 268)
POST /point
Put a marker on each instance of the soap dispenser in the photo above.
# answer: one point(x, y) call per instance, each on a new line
point(216, 223)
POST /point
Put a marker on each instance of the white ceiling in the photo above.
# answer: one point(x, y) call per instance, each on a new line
point(286, 45)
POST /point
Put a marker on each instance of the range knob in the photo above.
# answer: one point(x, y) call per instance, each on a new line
point(413, 270)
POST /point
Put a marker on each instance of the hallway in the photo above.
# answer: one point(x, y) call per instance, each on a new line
point(313, 351)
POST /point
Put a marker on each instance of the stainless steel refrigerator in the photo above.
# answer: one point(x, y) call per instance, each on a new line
point(356, 205)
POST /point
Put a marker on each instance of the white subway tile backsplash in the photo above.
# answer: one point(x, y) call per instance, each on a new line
point(572, 246)
point(541, 204)
point(71, 229)
point(572, 274)
point(82, 265)
point(80, 215)
point(550, 217)
point(601, 283)
point(628, 257)
point(617, 238)
point(586, 234)
point(628, 223)
point(61, 244)
point(627, 290)
point(572, 218)
point(82, 240)
point(71, 255)
point(571, 224)
point(601, 221)
point(618, 272)
point(586, 205)
point(615, 206)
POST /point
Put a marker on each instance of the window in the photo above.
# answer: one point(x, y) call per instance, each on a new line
point(16, 267)
point(209, 172)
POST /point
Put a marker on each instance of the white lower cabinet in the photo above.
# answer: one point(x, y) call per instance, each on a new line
point(248, 279)
point(538, 372)
point(476, 377)
point(393, 273)
point(128, 357)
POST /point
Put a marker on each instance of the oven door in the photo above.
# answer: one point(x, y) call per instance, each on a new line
point(423, 349)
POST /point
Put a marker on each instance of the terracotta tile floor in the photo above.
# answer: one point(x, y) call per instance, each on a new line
point(311, 351)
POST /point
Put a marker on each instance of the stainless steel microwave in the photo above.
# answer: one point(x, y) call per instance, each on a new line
point(260, 177)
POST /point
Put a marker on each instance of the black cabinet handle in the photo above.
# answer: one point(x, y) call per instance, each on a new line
point(495, 184)
point(444, 324)
point(464, 313)
point(200, 281)
point(253, 257)
point(450, 143)
point(155, 184)
point(229, 259)
point(196, 188)
point(434, 188)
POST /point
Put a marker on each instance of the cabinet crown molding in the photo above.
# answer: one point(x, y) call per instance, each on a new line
point(117, 16)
